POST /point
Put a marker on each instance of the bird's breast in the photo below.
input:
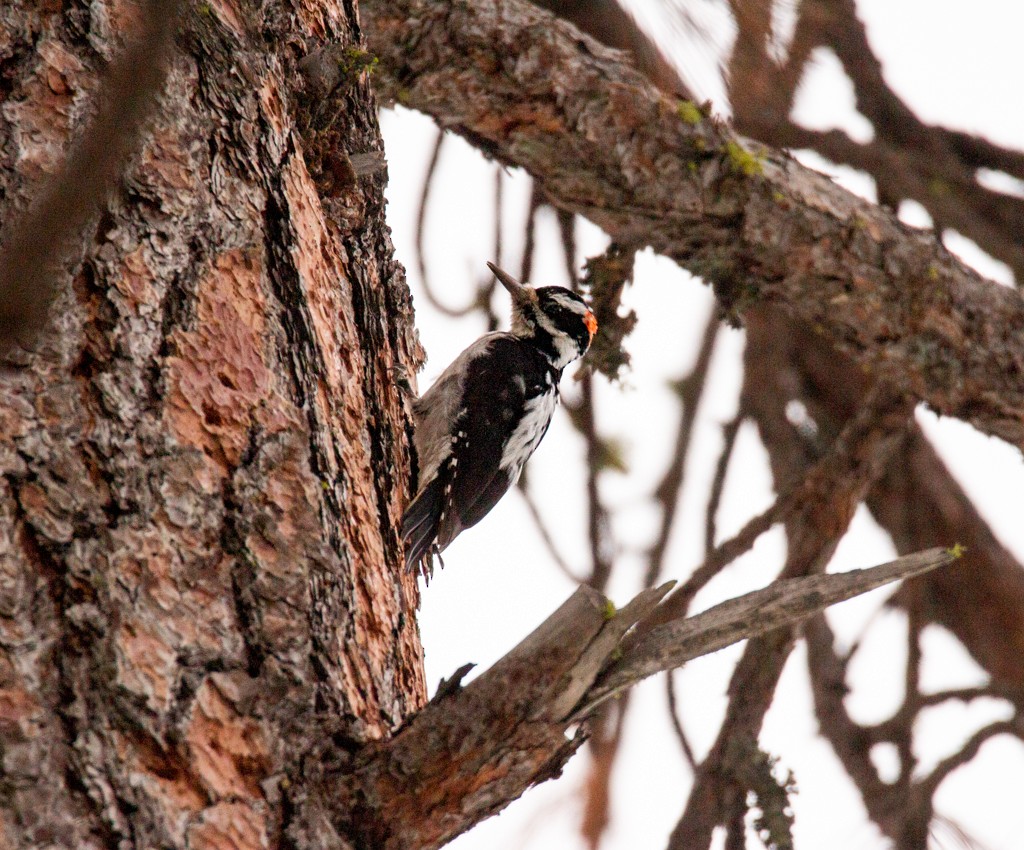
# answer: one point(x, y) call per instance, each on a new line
point(529, 431)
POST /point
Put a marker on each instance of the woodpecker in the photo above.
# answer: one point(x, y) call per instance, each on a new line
point(482, 419)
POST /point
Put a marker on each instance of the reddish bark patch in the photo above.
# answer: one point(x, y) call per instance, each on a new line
point(219, 376)
point(228, 750)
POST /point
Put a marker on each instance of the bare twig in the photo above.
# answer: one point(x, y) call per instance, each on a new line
point(567, 232)
point(785, 601)
point(928, 785)
point(904, 737)
point(677, 723)
point(891, 728)
point(545, 534)
point(669, 492)
point(604, 744)
point(598, 522)
point(729, 433)
point(421, 226)
point(530, 228)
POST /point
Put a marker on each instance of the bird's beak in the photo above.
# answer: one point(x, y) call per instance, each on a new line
point(519, 292)
point(590, 320)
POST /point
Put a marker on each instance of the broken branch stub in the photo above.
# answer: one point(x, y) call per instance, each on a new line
point(781, 603)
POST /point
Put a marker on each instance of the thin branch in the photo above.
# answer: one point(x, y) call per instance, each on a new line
point(904, 737)
point(730, 431)
point(677, 723)
point(963, 695)
point(545, 534)
point(850, 742)
point(669, 492)
point(530, 229)
point(598, 522)
point(604, 745)
point(889, 729)
point(421, 227)
point(50, 232)
point(567, 232)
point(785, 601)
point(729, 550)
point(927, 786)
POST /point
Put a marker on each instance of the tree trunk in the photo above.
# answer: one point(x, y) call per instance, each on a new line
point(203, 459)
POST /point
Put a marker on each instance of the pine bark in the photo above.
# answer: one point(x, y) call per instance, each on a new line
point(204, 457)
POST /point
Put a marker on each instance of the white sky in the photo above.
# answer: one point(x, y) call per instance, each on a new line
point(957, 65)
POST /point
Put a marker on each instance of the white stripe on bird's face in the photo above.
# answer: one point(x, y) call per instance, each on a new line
point(564, 299)
point(566, 347)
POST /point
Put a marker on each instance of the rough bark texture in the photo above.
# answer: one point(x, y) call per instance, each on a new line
point(203, 458)
point(605, 143)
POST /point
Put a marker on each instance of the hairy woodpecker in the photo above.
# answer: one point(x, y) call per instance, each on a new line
point(482, 419)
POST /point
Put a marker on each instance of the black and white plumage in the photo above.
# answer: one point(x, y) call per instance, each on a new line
point(482, 419)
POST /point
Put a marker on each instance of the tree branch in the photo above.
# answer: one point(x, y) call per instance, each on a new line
point(785, 601)
point(534, 92)
point(473, 750)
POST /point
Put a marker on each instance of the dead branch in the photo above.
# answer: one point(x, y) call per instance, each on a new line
point(730, 431)
point(785, 601)
point(669, 491)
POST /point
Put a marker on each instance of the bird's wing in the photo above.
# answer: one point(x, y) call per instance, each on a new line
point(437, 409)
point(437, 412)
point(498, 388)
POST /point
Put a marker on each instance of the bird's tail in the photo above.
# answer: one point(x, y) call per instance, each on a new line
point(420, 522)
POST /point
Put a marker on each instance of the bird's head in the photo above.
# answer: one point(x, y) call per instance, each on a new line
point(557, 320)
